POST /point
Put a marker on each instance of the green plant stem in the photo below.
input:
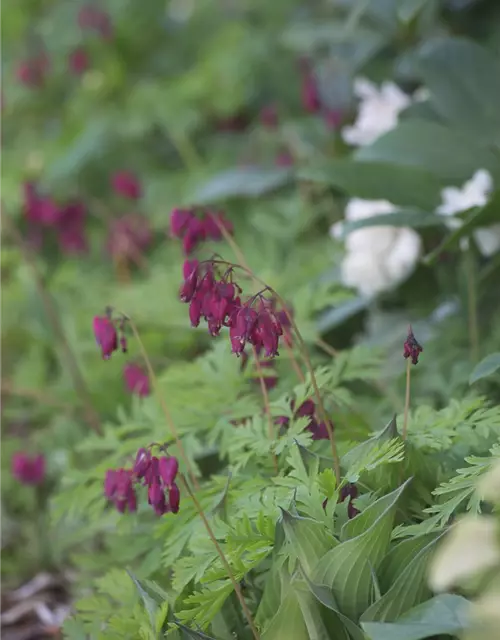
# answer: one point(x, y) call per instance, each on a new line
point(163, 404)
point(223, 558)
point(267, 408)
point(303, 348)
point(472, 304)
point(91, 415)
point(407, 400)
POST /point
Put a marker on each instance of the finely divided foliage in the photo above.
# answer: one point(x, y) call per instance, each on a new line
point(222, 424)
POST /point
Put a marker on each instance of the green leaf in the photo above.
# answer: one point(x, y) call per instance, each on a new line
point(309, 539)
point(486, 367)
point(415, 219)
point(401, 185)
point(338, 315)
point(150, 604)
point(288, 622)
point(249, 182)
point(464, 81)
point(449, 155)
point(409, 9)
point(407, 590)
point(443, 614)
point(347, 568)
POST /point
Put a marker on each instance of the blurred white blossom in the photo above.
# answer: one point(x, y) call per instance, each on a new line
point(378, 111)
point(378, 258)
point(474, 193)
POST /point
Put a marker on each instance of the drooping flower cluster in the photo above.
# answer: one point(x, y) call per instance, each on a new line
point(42, 214)
point(157, 474)
point(216, 298)
point(126, 184)
point(109, 332)
point(185, 224)
point(136, 379)
point(91, 18)
point(306, 410)
point(32, 71)
point(412, 348)
point(28, 469)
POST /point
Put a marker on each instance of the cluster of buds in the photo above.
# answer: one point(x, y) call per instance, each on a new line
point(157, 474)
point(33, 71)
point(193, 229)
point(91, 18)
point(42, 213)
point(27, 469)
point(109, 333)
point(307, 409)
point(217, 299)
point(412, 348)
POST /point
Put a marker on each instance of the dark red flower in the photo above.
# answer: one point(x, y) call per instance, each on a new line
point(32, 72)
point(71, 228)
point(193, 229)
point(310, 95)
point(106, 335)
point(142, 462)
point(129, 236)
point(212, 222)
point(136, 380)
point(126, 184)
point(28, 469)
point(333, 118)
point(412, 349)
point(349, 491)
point(318, 430)
point(174, 497)
point(168, 468)
point(269, 116)
point(119, 489)
point(179, 222)
point(78, 61)
point(93, 19)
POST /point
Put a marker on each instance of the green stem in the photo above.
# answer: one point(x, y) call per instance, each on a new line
point(472, 303)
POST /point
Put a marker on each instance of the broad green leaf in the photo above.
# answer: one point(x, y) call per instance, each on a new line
point(152, 601)
point(309, 539)
point(486, 367)
point(401, 185)
point(399, 557)
point(409, 9)
point(443, 614)
point(288, 623)
point(464, 81)
point(415, 219)
point(340, 314)
point(347, 568)
point(311, 612)
point(407, 590)
point(249, 182)
point(389, 432)
point(448, 154)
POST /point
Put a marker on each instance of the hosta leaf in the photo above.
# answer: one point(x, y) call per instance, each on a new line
point(288, 623)
point(407, 590)
point(243, 182)
point(415, 219)
point(434, 147)
point(400, 556)
point(347, 568)
point(485, 368)
point(464, 81)
point(401, 185)
point(308, 538)
point(443, 614)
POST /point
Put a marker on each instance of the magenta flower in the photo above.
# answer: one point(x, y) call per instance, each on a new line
point(158, 475)
point(119, 489)
point(136, 380)
point(168, 468)
point(309, 90)
point(28, 469)
point(78, 61)
point(126, 184)
point(32, 72)
point(269, 116)
point(106, 335)
point(71, 228)
point(193, 229)
point(91, 18)
point(412, 349)
point(129, 237)
point(284, 159)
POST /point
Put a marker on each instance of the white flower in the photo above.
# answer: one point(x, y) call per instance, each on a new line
point(474, 193)
point(378, 111)
point(378, 258)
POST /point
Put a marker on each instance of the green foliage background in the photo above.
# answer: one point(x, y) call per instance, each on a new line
point(153, 101)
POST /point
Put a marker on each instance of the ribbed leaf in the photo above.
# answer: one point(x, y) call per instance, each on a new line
point(347, 568)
